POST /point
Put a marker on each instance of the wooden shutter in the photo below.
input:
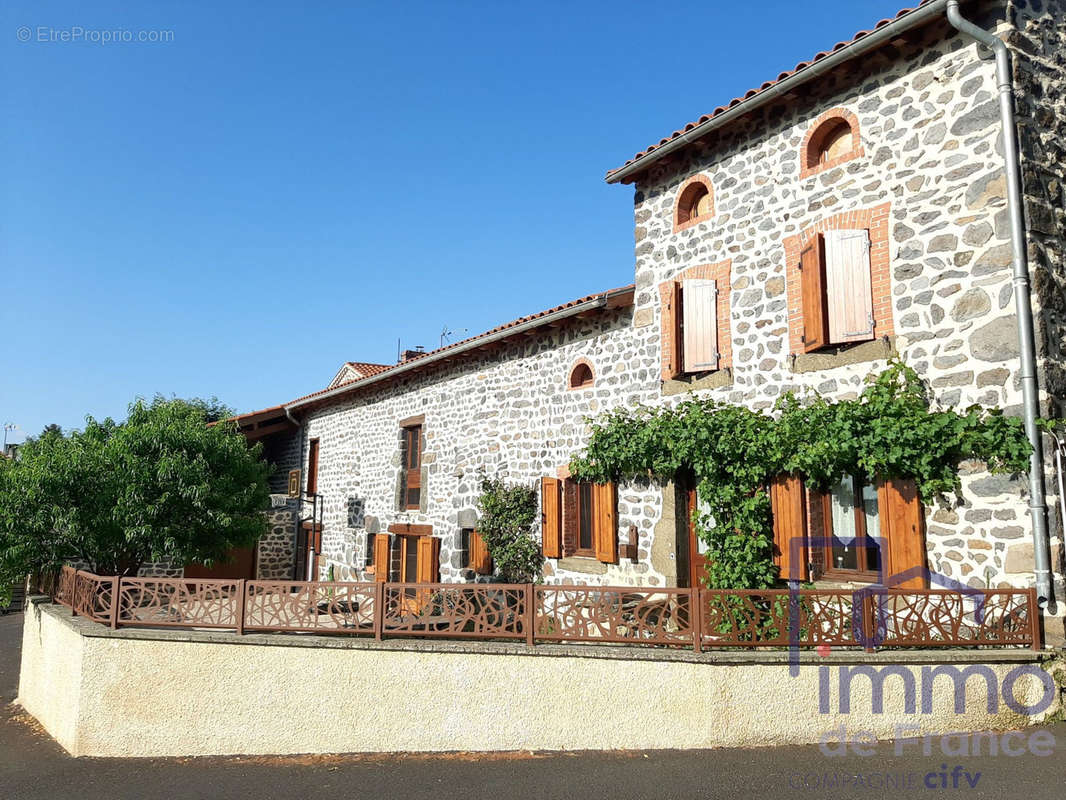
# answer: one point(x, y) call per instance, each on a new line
point(428, 570)
point(312, 467)
point(700, 325)
point(675, 366)
point(902, 519)
point(551, 527)
point(604, 523)
point(812, 278)
point(480, 560)
point(381, 557)
point(790, 521)
point(848, 289)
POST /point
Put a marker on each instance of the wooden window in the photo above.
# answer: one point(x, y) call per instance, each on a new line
point(551, 517)
point(312, 467)
point(581, 376)
point(675, 367)
point(837, 291)
point(590, 521)
point(474, 553)
point(859, 531)
point(848, 287)
point(695, 202)
point(585, 517)
point(605, 528)
point(368, 556)
point(693, 345)
point(832, 140)
point(852, 542)
point(412, 466)
point(812, 275)
point(789, 504)
point(382, 564)
point(700, 325)
point(902, 520)
point(480, 559)
point(835, 142)
point(428, 556)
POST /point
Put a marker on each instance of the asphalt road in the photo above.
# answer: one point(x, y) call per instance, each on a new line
point(33, 766)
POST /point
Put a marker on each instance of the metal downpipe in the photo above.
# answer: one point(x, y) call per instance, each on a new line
point(1022, 295)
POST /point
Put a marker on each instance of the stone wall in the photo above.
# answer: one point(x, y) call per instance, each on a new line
point(506, 414)
point(929, 132)
point(274, 561)
point(143, 693)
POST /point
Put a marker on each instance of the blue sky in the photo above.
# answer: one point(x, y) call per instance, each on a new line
point(286, 186)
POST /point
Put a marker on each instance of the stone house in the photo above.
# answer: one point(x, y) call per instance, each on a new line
point(848, 211)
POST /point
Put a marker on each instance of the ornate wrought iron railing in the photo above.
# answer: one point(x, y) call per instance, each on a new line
point(869, 618)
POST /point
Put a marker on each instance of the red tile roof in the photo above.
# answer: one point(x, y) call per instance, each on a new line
point(753, 92)
point(622, 296)
point(366, 369)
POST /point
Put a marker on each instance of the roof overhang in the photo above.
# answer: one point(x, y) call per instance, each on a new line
point(256, 425)
point(614, 298)
point(859, 46)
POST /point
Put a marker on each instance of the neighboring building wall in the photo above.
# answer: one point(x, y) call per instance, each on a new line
point(929, 127)
point(1039, 48)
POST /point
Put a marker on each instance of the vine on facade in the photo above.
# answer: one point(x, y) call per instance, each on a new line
point(890, 431)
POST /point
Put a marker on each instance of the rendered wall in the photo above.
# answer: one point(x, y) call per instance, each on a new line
point(145, 693)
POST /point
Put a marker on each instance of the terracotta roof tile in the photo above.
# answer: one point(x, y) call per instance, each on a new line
point(753, 92)
point(385, 369)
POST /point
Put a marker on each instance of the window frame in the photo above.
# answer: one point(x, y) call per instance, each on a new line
point(686, 204)
point(863, 573)
point(589, 505)
point(411, 464)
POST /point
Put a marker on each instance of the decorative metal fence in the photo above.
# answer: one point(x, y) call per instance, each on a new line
point(870, 618)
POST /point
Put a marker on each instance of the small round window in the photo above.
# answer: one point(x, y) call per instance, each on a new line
point(696, 202)
point(581, 376)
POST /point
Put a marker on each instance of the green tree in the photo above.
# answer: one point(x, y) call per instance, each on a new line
point(163, 485)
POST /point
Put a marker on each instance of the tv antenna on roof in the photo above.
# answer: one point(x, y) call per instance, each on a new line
point(446, 334)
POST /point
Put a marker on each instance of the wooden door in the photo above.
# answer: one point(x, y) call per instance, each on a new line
point(239, 563)
point(308, 558)
point(698, 562)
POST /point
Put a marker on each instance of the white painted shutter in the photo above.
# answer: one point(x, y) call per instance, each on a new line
point(848, 286)
point(700, 308)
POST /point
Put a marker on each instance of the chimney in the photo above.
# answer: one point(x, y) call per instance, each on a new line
point(411, 355)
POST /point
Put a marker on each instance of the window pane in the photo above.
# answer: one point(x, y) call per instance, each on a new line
point(842, 510)
point(464, 547)
point(414, 498)
point(584, 506)
point(873, 527)
point(410, 555)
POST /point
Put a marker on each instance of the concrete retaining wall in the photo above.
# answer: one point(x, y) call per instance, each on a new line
point(171, 693)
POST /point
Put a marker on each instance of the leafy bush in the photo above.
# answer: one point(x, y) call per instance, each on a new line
point(506, 523)
point(889, 431)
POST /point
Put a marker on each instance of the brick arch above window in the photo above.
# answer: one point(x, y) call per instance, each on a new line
point(694, 203)
point(581, 375)
point(831, 140)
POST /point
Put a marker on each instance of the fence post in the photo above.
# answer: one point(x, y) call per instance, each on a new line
point(242, 592)
point(1037, 620)
point(868, 622)
point(531, 614)
point(379, 610)
point(74, 596)
point(116, 583)
point(696, 618)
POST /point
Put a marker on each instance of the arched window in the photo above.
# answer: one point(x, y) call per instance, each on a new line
point(695, 202)
point(581, 376)
point(831, 140)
